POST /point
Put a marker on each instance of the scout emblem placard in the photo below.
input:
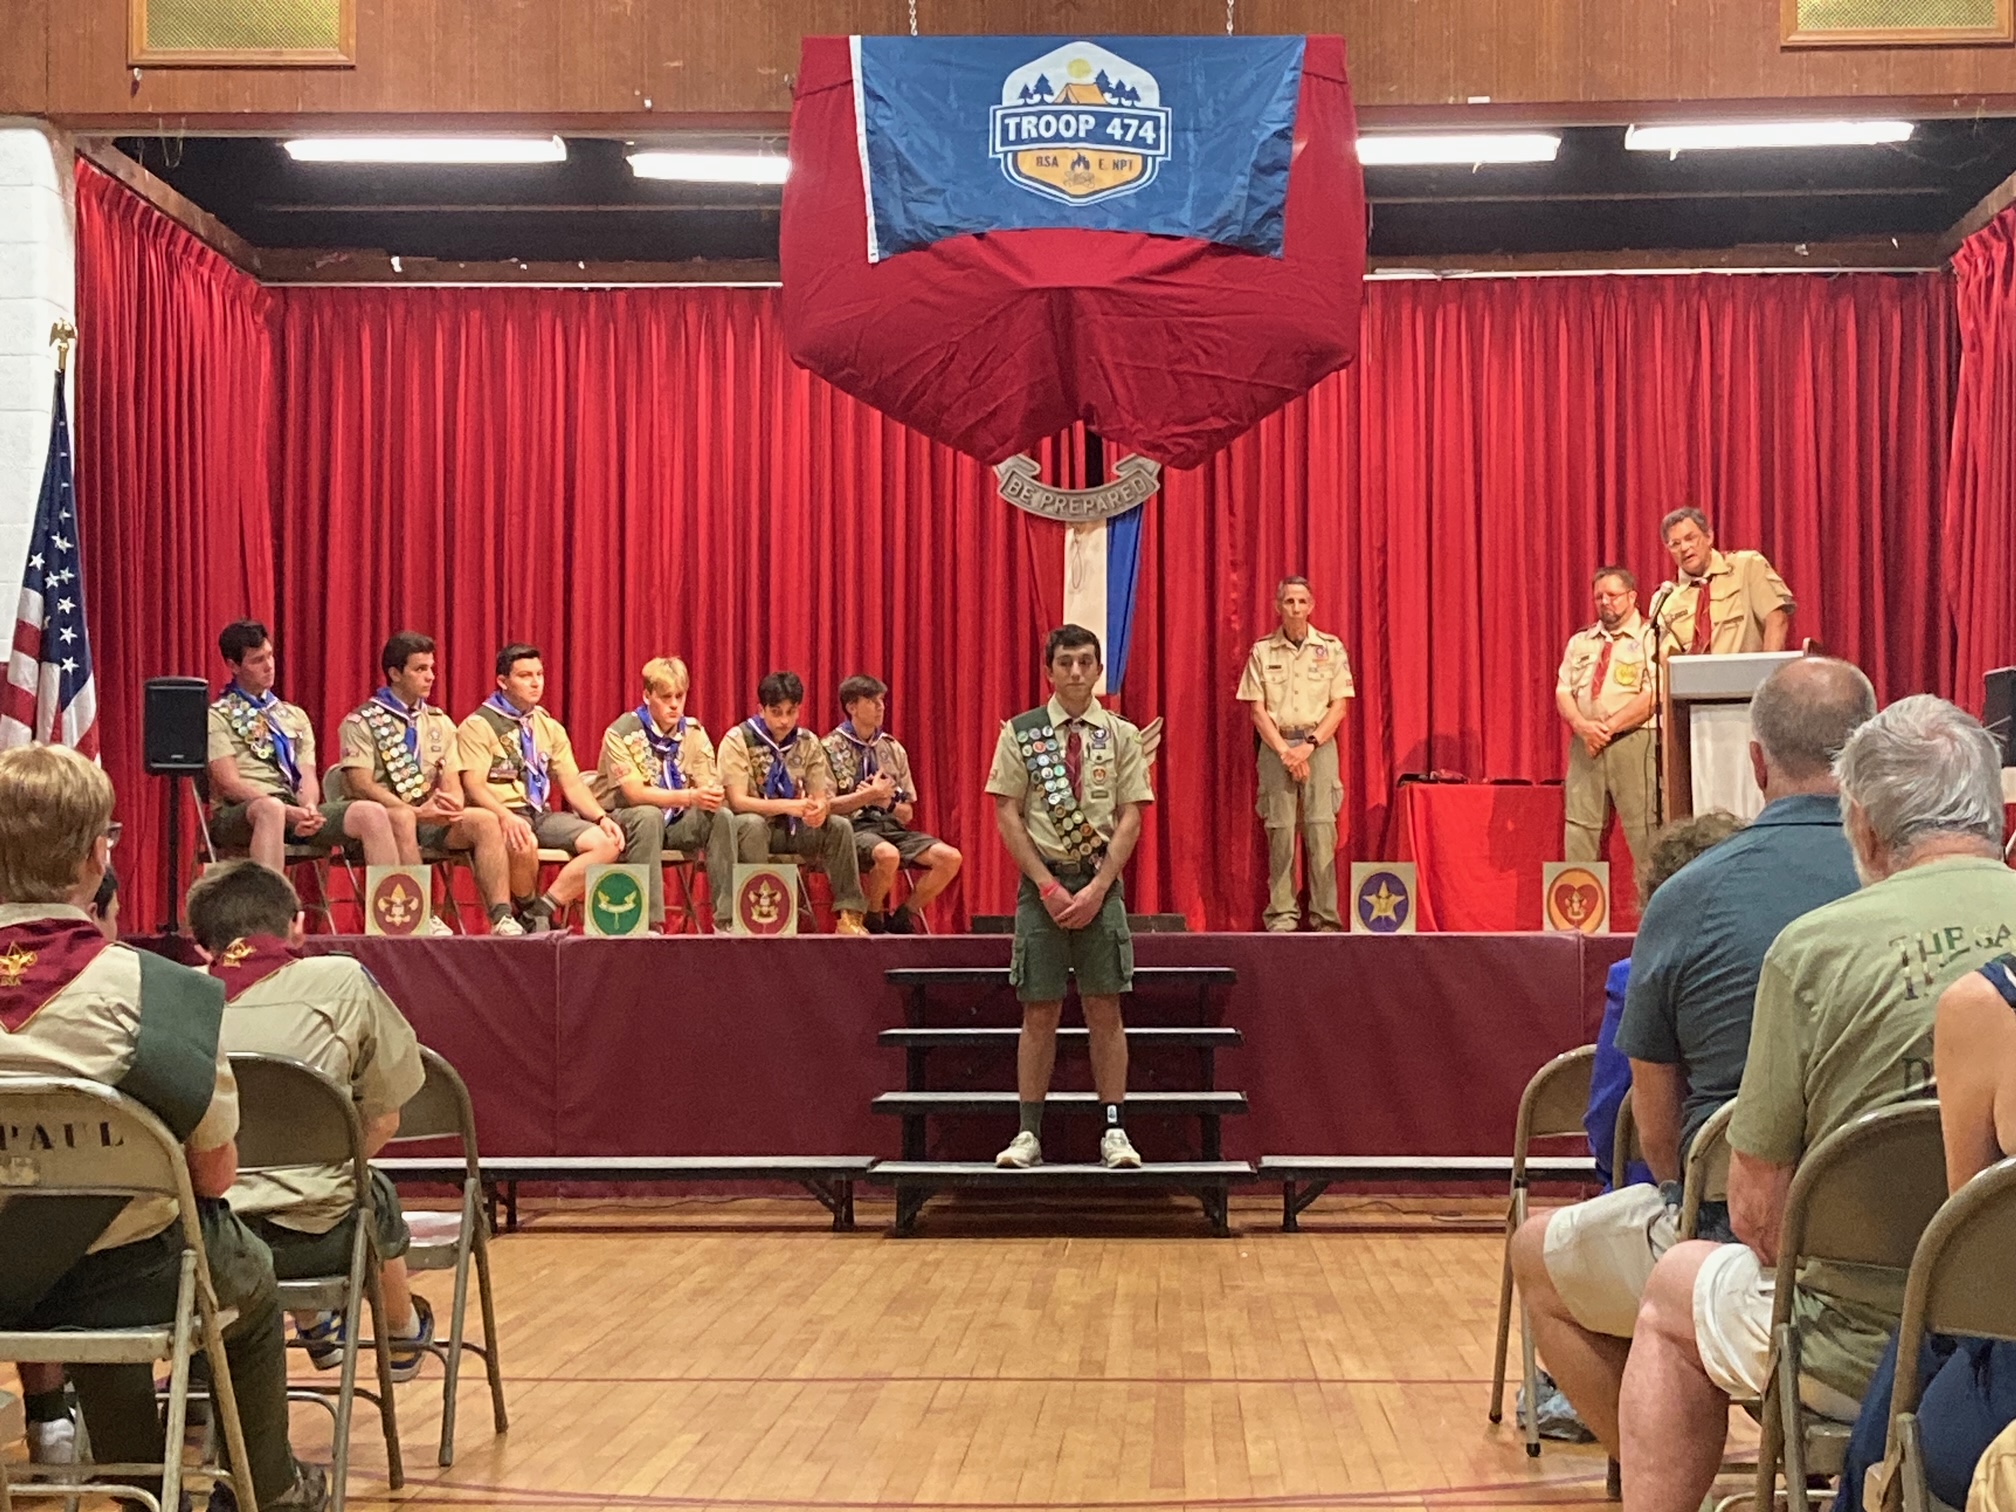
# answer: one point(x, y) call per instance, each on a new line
point(1382, 897)
point(614, 904)
point(766, 901)
point(1575, 897)
point(397, 899)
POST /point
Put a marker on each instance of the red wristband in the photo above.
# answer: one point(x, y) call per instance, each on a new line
point(1052, 886)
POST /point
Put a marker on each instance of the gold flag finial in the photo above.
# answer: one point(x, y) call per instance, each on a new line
point(62, 336)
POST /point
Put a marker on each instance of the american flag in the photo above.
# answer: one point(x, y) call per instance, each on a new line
point(50, 696)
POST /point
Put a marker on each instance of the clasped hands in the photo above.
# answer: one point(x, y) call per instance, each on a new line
point(1069, 910)
point(1297, 756)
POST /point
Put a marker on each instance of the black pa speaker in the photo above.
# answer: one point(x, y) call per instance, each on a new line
point(1998, 710)
point(177, 725)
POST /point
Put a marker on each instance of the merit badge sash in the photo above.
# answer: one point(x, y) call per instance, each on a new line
point(651, 749)
point(1042, 749)
point(253, 722)
point(389, 733)
point(513, 735)
point(37, 961)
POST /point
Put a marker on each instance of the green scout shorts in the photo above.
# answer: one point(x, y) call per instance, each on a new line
point(1100, 956)
point(308, 1257)
point(230, 828)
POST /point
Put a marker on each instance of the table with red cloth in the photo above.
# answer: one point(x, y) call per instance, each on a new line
point(1478, 848)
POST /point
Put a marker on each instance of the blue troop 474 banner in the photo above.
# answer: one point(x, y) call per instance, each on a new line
point(1170, 136)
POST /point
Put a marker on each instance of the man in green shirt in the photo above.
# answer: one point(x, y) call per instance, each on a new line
point(1843, 1025)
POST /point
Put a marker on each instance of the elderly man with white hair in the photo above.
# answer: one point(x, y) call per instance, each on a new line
point(1843, 1025)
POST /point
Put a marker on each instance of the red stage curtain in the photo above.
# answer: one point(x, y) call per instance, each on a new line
point(174, 489)
point(1981, 488)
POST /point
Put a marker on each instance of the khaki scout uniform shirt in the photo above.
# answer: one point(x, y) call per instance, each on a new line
point(747, 760)
point(1297, 683)
point(440, 748)
point(329, 1012)
point(263, 772)
point(626, 753)
point(1624, 679)
point(88, 1030)
point(489, 760)
point(1113, 774)
point(890, 758)
point(1743, 590)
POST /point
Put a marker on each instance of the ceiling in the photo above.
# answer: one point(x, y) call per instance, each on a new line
point(1595, 198)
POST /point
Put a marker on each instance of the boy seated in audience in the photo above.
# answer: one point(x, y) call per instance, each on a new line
point(1843, 1026)
point(328, 1012)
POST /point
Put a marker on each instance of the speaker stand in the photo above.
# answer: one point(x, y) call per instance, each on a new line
point(173, 924)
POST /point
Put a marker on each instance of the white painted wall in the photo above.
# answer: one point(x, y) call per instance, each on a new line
point(38, 286)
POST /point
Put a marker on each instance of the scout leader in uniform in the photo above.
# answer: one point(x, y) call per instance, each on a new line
point(1068, 783)
point(1749, 607)
point(1604, 693)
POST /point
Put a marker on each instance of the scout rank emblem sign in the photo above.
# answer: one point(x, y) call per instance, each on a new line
point(766, 900)
point(1382, 897)
point(1576, 897)
point(1042, 748)
point(615, 901)
point(396, 899)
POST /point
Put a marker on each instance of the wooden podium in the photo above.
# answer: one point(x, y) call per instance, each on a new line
point(1704, 731)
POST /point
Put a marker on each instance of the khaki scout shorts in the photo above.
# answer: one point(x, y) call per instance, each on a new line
point(231, 828)
point(1100, 956)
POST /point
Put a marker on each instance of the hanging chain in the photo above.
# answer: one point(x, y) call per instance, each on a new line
point(913, 17)
point(1229, 4)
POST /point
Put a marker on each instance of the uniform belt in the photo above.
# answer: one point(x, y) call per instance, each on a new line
point(1075, 868)
point(1298, 734)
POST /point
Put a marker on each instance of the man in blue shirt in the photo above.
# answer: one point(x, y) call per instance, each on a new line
point(1694, 967)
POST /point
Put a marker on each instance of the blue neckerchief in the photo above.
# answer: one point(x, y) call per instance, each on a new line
point(283, 743)
point(664, 747)
point(408, 717)
point(537, 783)
point(864, 750)
point(777, 781)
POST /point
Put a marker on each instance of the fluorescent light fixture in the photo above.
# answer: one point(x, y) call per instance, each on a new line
point(1451, 147)
point(1718, 136)
point(402, 149)
point(712, 167)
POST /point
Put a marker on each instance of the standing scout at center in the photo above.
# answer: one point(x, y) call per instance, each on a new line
point(1068, 782)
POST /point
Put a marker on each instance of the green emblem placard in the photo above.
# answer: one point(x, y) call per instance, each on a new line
point(617, 902)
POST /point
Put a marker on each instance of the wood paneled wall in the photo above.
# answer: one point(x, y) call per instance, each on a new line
point(627, 61)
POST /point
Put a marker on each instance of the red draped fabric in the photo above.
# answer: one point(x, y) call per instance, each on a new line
point(174, 486)
point(616, 473)
point(1981, 488)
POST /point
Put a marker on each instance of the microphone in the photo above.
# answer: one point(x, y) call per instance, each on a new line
point(1666, 590)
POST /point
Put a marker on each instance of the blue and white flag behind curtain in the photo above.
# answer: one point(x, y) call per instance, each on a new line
point(1102, 567)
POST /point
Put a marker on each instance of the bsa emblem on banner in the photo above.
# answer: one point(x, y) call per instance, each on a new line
point(614, 904)
point(1080, 125)
point(1382, 897)
point(396, 899)
point(1576, 897)
point(766, 900)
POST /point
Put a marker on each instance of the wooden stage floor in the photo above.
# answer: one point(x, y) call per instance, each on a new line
point(737, 1354)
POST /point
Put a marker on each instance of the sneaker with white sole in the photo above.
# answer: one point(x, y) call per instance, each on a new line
point(438, 926)
point(53, 1443)
point(1024, 1150)
point(1117, 1152)
point(509, 928)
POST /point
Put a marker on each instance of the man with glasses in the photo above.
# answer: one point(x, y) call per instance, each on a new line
point(1604, 693)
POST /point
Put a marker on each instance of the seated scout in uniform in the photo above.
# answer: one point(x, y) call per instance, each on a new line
point(401, 752)
point(73, 1004)
point(327, 1012)
point(517, 762)
point(871, 775)
point(1068, 781)
point(264, 791)
point(780, 790)
point(657, 774)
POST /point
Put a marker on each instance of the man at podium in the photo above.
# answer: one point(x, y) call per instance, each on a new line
point(1747, 605)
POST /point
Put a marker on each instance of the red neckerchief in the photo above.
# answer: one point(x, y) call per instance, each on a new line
point(39, 959)
point(249, 960)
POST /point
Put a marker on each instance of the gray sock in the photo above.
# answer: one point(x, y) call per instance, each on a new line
point(1032, 1118)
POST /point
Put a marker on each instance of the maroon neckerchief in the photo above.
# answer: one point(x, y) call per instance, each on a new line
point(39, 959)
point(249, 960)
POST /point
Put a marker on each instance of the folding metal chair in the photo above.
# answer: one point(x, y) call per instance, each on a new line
point(682, 888)
point(1959, 1284)
point(291, 1114)
point(1552, 1107)
point(1706, 1178)
point(1863, 1196)
point(448, 1241)
point(106, 1146)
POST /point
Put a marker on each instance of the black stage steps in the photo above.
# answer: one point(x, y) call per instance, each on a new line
point(917, 1181)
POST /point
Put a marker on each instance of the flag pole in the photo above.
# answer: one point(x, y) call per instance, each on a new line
point(63, 336)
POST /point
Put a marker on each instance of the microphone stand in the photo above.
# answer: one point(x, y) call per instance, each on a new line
point(1659, 710)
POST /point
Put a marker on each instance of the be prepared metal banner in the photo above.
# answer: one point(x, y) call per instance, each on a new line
point(1170, 136)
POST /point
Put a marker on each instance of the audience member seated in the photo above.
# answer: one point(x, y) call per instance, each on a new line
point(1610, 1077)
point(327, 1012)
point(1701, 944)
point(74, 1008)
point(518, 763)
point(1967, 1387)
point(1843, 1025)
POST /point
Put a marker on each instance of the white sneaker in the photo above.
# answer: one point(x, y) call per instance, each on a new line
point(436, 925)
point(1023, 1151)
point(508, 927)
point(1116, 1151)
point(53, 1443)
